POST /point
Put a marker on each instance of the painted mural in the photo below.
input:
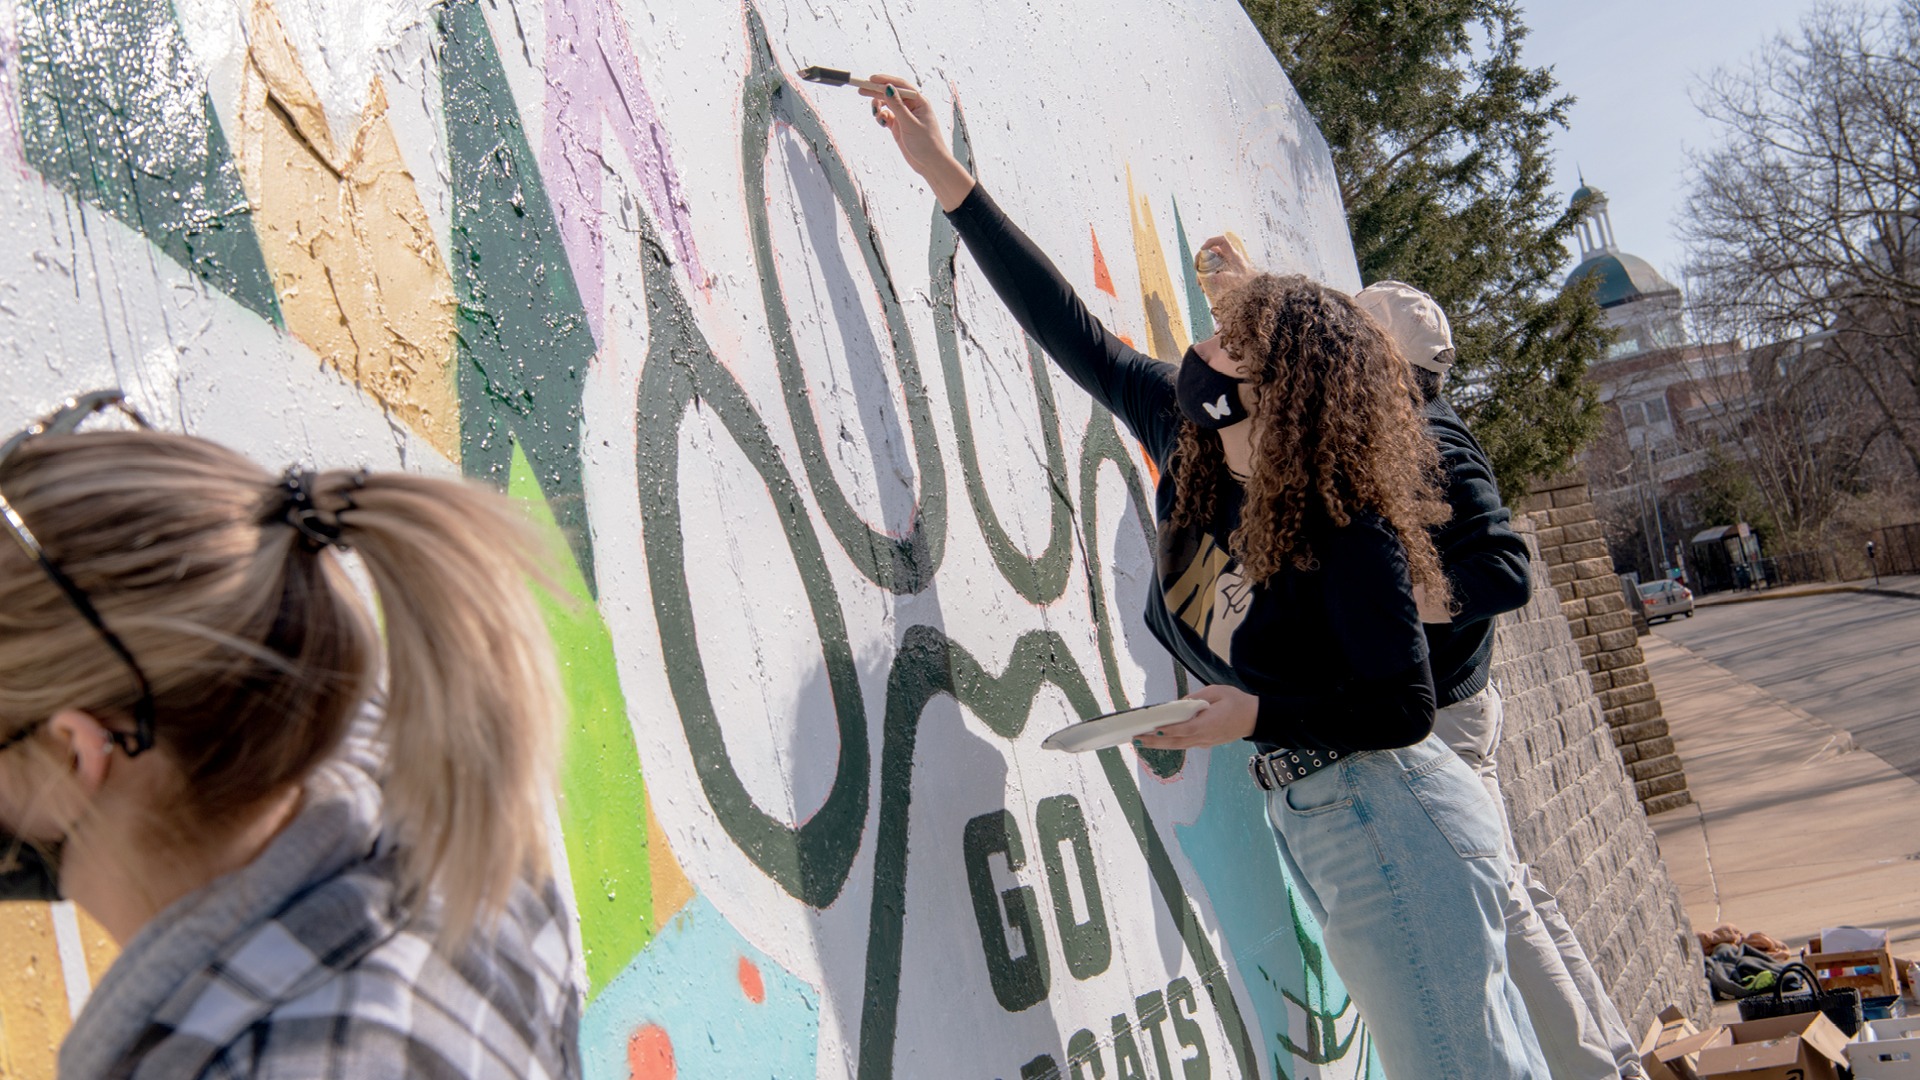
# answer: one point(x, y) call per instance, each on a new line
point(841, 550)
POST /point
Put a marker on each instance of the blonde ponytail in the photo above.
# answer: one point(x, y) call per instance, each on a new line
point(260, 651)
point(473, 699)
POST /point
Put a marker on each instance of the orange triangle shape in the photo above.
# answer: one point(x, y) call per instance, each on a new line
point(1102, 280)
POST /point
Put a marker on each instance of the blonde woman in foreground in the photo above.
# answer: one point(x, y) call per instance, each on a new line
point(305, 878)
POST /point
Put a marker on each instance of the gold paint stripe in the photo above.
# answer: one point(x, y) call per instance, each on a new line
point(33, 995)
point(1166, 328)
point(1196, 574)
point(360, 277)
point(671, 889)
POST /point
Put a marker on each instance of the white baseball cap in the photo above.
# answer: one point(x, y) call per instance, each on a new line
point(1412, 320)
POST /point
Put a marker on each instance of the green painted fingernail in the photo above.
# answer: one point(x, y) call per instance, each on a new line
point(889, 91)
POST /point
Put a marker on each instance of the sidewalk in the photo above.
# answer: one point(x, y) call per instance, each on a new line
point(1895, 584)
point(1793, 828)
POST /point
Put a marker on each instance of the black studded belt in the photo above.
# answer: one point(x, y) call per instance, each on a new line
point(1278, 768)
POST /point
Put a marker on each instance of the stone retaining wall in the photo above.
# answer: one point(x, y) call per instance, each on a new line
point(1569, 536)
point(1577, 808)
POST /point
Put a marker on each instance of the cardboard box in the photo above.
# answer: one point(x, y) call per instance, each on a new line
point(1802, 1047)
point(1869, 971)
point(1671, 1048)
point(1887, 1050)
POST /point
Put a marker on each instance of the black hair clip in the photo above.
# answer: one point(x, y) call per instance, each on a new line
point(295, 507)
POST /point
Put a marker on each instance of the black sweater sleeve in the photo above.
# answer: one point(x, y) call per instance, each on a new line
point(1387, 700)
point(1486, 561)
point(1132, 385)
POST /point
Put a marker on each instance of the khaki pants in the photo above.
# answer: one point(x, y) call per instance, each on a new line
point(1579, 1030)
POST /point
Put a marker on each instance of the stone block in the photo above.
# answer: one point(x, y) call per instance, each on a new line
point(1631, 674)
point(1573, 608)
point(1626, 695)
point(1657, 747)
point(1660, 804)
point(1574, 494)
point(1612, 620)
point(1618, 639)
point(1619, 658)
point(1585, 549)
point(1594, 586)
point(1577, 531)
point(1638, 712)
point(1660, 784)
point(1600, 567)
point(1570, 514)
point(1552, 537)
point(1560, 573)
point(1610, 602)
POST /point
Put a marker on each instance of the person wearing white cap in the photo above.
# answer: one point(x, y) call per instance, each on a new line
point(1486, 564)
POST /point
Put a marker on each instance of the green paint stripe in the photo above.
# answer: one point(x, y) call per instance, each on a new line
point(1199, 312)
point(603, 805)
point(524, 343)
point(113, 109)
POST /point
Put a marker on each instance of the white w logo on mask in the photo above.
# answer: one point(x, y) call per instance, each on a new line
point(1217, 409)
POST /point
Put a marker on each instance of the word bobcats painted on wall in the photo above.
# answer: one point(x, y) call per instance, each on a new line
point(841, 549)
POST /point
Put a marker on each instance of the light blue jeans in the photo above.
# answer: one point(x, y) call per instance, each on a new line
point(1400, 855)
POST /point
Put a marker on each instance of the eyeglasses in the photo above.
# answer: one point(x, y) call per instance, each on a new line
point(65, 421)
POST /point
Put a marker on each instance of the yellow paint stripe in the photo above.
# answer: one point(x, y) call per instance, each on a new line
point(98, 945)
point(33, 994)
point(1166, 328)
point(360, 278)
point(671, 889)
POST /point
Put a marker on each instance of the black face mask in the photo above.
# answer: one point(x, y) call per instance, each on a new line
point(25, 872)
point(1209, 399)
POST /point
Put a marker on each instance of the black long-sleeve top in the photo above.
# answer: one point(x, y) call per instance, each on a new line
point(1336, 654)
point(1486, 563)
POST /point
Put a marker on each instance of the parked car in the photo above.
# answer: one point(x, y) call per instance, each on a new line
point(1665, 599)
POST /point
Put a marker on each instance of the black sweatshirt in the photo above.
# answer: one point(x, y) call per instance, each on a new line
point(1485, 562)
point(1336, 654)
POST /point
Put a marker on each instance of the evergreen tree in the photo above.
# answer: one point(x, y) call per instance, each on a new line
point(1439, 137)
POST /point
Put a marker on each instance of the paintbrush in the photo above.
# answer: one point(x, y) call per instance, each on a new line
point(827, 76)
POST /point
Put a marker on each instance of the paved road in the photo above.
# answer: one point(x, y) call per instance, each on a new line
point(1851, 659)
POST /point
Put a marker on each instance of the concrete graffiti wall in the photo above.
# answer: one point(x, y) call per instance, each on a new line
point(847, 550)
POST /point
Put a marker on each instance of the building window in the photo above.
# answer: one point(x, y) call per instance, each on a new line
point(1657, 411)
point(1633, 413)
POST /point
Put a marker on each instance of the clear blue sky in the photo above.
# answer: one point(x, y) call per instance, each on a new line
point(1632, 64)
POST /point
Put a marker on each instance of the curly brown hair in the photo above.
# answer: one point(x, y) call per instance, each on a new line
point(1335, 422)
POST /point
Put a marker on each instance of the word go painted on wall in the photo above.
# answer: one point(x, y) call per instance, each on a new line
point(485, 352)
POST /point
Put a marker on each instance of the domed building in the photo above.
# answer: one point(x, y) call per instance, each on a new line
point(1656, 387)
point(1641, 304)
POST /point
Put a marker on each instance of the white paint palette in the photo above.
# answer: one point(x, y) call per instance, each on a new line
point(1117, 728)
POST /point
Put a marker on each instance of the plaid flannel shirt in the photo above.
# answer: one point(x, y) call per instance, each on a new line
point(306, 964)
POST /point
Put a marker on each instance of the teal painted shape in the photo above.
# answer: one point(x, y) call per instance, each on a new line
point(114, 111)
point(524, 344)
point(1199, 311)
point(1282, 964)
point(689, 985)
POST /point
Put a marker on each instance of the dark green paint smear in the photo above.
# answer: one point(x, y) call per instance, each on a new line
point(810, 861)
point(927, 666)
point(114, 110)
point(1199, 312)
point(523, 340)
point(898, 564)
point(1102, 444)
point(1040, 580)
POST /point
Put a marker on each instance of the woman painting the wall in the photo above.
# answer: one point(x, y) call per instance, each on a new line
point(1295, 495)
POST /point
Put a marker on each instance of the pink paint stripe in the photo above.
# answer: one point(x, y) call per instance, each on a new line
point(593, 75)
